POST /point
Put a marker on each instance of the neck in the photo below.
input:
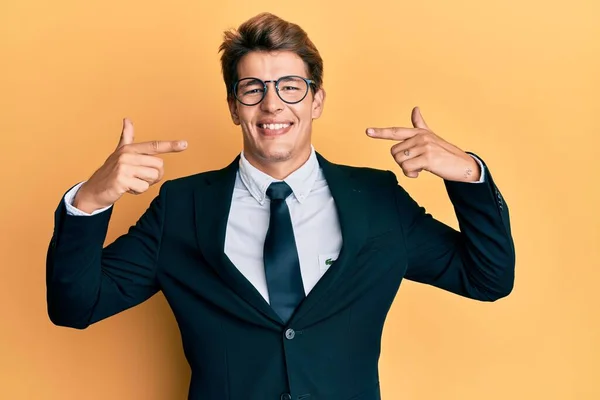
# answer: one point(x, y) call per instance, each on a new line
point(280, 169)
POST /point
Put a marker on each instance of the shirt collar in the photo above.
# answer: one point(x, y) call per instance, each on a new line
point(300, 181)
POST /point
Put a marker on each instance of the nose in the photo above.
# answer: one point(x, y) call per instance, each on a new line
point(271, 103)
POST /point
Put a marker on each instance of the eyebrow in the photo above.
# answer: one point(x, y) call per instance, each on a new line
point(250, 81)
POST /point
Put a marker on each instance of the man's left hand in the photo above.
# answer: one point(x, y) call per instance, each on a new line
point(420, 149)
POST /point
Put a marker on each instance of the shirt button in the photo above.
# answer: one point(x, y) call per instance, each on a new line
point(290, 334)
point(286, 396)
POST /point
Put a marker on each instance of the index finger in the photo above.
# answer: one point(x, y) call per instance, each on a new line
point(393, 133)
point(159, 147)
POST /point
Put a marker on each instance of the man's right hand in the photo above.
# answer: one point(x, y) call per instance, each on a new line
point(132, 168)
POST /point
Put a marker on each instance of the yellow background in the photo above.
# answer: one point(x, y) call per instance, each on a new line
point(517, 82)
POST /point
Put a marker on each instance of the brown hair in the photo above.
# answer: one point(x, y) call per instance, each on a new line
point(267, 32)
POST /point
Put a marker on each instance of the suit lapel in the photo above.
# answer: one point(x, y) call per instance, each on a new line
point(351, 204)
point(212, 204)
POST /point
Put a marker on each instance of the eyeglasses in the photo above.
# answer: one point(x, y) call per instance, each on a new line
point(291, 89)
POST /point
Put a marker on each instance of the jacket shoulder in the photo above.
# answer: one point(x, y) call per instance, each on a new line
point(196, 180)
point(369, 175)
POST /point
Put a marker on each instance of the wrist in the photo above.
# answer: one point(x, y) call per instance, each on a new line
point(84, 202)
point(472, 171)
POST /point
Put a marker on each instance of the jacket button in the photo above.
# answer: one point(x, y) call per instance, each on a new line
point(286, 396)
point(290, 334)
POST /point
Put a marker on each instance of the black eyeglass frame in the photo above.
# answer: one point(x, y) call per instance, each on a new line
point(309, 83)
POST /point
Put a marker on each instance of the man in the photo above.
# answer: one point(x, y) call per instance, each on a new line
point(281, 267)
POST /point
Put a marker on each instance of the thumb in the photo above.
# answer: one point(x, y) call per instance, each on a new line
point(417, 119)
point(127, 135)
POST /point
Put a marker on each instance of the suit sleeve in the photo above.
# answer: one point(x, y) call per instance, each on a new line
point(87, 282)
point(478, 260)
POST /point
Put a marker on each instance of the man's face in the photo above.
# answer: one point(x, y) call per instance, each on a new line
point(275, 131)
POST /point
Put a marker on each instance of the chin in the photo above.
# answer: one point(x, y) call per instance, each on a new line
point(276, 155)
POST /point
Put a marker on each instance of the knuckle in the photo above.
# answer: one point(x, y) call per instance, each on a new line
point(432, 137)
point(122, 158)
point(155, 145)
point(122, 169)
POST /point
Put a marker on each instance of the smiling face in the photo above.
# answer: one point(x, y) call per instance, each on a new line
point(277, 135)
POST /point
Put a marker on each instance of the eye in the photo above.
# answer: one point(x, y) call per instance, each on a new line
point(292, 84)
point(253, 91)
point(250, 87)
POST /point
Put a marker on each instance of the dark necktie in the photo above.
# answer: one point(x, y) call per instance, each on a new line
point(282, 267)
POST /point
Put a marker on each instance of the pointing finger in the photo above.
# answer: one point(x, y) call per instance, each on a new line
point(392, 133)
point(159, 147)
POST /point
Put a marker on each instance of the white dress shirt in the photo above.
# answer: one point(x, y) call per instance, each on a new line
point(312, 211)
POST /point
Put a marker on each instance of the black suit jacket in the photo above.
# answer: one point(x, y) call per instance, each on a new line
point(236, 345)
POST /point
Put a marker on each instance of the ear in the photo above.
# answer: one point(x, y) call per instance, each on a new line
point(318, 103)
point(233, 110)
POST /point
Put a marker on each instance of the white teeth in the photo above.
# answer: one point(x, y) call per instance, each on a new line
point(274, 126)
